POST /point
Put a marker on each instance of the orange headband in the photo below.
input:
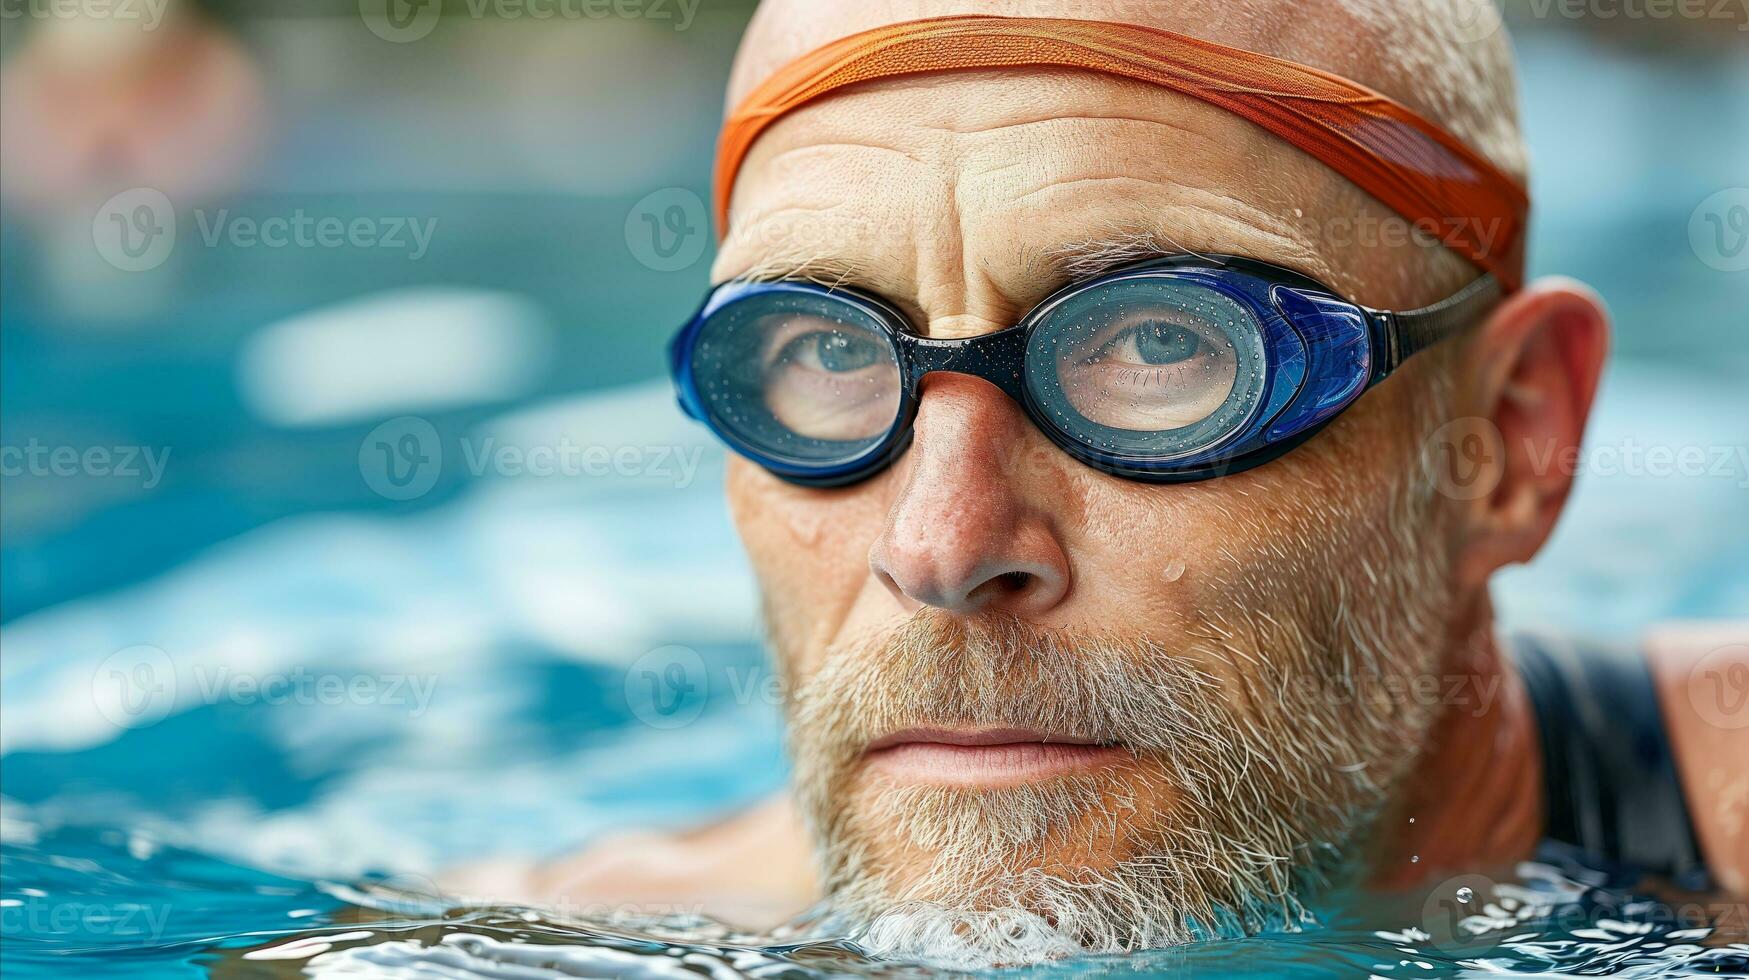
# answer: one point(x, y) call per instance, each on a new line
point(1417, 169)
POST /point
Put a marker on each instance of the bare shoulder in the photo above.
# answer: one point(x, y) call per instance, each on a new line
point(749, 869)
point(1702, 673)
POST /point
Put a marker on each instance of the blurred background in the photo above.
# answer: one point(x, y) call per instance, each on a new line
point(347, 522)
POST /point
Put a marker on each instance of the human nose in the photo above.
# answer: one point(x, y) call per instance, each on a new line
point(967, 532)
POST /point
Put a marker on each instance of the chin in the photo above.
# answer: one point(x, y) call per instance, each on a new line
point(1086, 863)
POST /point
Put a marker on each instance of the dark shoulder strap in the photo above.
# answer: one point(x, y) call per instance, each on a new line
point(1609, 772)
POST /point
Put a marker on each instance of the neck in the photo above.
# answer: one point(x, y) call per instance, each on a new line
point(1474, 801)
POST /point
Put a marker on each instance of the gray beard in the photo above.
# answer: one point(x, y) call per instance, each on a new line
point(1271, 774)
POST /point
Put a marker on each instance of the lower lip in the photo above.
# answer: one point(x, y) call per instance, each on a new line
point(1007, 763)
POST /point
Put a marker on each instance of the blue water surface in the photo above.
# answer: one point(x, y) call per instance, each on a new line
point(503, 642)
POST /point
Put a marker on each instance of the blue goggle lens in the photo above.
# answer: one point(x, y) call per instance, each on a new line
point(1150, 368)
point(804, 379)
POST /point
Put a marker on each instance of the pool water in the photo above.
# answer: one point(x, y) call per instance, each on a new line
point(110, 903)
point(327, 709)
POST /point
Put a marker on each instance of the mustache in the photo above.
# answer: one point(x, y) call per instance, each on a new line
point(998, 671)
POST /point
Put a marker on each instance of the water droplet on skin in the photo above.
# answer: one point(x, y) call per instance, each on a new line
point(1173, 571)
point(1465, 894)
point(1414, 859)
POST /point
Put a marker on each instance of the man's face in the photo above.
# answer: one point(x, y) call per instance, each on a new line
point(1210, 652)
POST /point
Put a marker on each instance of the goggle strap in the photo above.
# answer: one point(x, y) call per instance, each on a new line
point(1413, 331)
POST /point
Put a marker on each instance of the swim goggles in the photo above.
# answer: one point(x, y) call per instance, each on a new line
point(1174, 370)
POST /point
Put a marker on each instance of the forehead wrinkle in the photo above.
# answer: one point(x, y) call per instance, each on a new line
point(1080, 115)
point(890, 223)
point(1010, 280)
point(838, 143)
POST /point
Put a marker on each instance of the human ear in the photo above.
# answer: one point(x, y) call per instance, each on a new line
point(1525, 384)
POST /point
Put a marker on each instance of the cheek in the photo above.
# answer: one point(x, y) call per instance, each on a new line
point(1165, 560)
point(1246, 560)
point(809, 549)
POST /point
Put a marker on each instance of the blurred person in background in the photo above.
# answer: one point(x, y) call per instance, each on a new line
point(96, 105)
